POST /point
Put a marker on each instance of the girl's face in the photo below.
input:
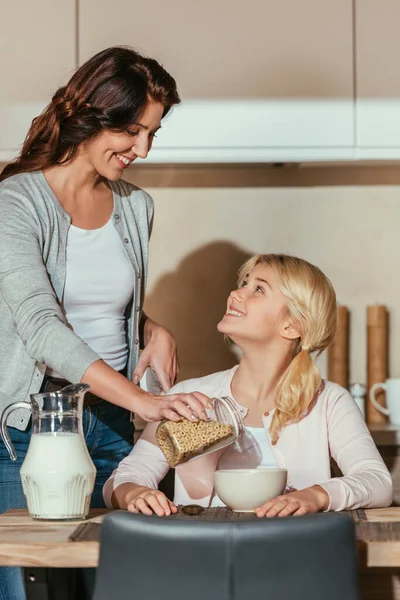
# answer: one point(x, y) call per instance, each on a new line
point(256, 312)
point(111, 153)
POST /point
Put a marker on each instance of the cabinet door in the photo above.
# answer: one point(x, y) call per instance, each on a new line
point(259, 79)
point(378, 78)
point(38, 51)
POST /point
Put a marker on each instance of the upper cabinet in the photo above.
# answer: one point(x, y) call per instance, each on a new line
point(378, 78)
point(38, 51)
point(260, 80)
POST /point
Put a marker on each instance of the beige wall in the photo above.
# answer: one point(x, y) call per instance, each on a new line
point(202, 235)
point(210, 219)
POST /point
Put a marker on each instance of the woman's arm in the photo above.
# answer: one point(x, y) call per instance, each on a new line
point(159, 354)
point(366, 481)
point(114, 387)
point(141, 471)
point(39, 321)
point(26, 289)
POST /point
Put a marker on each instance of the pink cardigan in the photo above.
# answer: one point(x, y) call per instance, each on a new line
point(334, 427)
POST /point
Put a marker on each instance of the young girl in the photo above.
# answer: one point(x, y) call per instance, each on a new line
point(283, 311)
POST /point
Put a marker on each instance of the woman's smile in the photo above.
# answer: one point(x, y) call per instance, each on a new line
point(124, 161)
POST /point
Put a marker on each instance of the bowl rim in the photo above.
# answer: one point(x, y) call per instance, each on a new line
point(252, 471)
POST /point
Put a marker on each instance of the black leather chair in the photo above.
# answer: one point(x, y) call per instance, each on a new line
point(302, 558)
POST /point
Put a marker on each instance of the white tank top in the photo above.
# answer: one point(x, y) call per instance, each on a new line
point(99, 285)
point(255, 452)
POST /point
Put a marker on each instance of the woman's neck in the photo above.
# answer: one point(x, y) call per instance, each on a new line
point(257, 376)
point(82, 192)
point(77, 177)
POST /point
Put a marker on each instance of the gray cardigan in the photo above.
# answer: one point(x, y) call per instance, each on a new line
point(33, 329)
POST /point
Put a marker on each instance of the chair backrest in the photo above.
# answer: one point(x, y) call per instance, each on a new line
point(303, 558)
point(310, 558)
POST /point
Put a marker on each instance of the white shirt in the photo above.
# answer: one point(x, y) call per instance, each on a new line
point(98, 287)
point(254, 452)
point(334, 427)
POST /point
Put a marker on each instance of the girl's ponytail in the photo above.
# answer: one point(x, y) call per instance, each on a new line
point(295, 392)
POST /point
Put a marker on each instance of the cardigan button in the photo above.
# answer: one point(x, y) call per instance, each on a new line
point(266, 414)
point(126, 240)
point(117, 217)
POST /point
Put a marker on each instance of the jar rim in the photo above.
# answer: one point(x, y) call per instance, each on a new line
point(237, 419)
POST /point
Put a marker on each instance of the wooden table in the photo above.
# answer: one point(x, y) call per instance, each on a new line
point(25, 542)
point(28, 543)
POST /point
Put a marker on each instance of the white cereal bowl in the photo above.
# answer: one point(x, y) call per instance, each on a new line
point(242, 490)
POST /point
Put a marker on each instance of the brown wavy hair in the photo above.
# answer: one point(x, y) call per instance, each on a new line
point(311, 305)
point(110, 91)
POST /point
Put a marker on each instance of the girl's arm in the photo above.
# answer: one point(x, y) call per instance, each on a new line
point(142, 469)
point(136, 499)
point(366, 481)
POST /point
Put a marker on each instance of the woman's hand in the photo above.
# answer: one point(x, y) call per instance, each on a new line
point(147, 501)
point(114, 387)
point(310, 500)
point(159, 353)
point(156, 408)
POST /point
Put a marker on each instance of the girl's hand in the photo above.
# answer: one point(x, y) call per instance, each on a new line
point(149, 501)
point(310, 500)
point(156, 408)
point(160, 354)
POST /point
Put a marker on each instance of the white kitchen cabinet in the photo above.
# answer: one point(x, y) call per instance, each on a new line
point(260, 80)
point(377, 79)
point(38, 52)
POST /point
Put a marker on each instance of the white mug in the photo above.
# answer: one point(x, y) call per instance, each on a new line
point(392, 389)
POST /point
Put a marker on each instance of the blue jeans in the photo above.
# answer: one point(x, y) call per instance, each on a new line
point(109, 437)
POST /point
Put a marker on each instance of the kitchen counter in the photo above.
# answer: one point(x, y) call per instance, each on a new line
point(385, 434)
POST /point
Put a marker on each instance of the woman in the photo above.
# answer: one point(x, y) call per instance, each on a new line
point(73, 264)
point(283, 310)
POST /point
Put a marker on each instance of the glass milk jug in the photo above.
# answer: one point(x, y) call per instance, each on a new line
point(57, 474)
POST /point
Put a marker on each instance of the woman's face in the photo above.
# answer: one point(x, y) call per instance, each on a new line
point(256, 312)
point(111, 153)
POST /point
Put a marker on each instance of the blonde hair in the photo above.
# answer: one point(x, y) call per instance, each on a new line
point(311, 306)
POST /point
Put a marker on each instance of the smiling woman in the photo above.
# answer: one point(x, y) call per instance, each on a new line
point(110, 92)
point(113, 151)
point(73, 267)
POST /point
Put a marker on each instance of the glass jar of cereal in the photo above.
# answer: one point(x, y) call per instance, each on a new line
point(185, 440)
